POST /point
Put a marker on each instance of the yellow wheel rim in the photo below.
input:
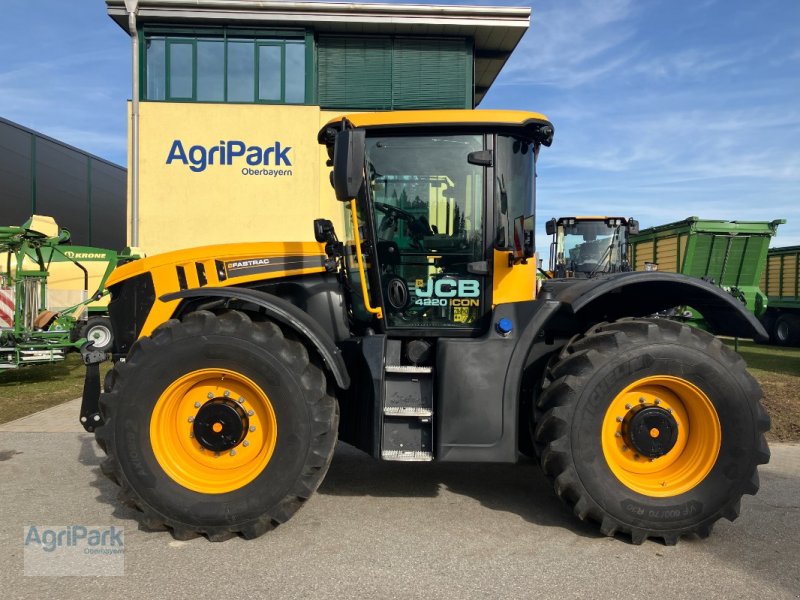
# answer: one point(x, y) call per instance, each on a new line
point(695, 448)
point(176, 447)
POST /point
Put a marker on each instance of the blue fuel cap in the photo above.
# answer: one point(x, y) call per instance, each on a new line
point(504, 326)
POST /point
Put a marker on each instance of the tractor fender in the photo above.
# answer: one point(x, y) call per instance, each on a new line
point(286, 313)
point(639, 294)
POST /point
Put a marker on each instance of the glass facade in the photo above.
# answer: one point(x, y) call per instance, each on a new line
point(348, 72)
point(225, 66)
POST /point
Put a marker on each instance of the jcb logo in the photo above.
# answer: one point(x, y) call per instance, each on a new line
point(447, 287)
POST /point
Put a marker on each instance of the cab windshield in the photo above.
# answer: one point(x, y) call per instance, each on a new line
point(591, 246)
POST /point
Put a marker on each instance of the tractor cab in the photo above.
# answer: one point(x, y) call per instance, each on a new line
point(587, 246)
point(440, 206)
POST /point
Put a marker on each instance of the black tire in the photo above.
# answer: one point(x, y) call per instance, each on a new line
point(99, 331)
point(592, 371)
point(305, 413)
point(787, 330)
point(768, 321)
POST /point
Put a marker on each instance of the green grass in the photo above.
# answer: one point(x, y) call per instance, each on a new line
point(33, 388)
point(774, 359)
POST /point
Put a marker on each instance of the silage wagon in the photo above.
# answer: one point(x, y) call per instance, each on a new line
point(781, 282)
point(730, 254)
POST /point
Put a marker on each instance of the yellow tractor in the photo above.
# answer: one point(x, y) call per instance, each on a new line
point(588, 246)
point(420, 337)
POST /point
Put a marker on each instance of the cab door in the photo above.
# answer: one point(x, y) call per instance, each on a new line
point(428, 208)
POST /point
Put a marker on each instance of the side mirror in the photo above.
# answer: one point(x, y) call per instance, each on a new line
point(348, 163)
point(633, 226)
point(523, 238)
point(550, 227)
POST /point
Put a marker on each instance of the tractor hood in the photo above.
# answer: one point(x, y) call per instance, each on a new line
point(225, 264)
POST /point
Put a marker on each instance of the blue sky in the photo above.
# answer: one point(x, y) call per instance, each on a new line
point(663, 108)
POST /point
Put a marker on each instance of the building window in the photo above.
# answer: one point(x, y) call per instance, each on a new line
point(378, 73)
point(225, 66)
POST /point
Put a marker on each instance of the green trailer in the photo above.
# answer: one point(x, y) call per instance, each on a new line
point(730, 254)
point(781, 282)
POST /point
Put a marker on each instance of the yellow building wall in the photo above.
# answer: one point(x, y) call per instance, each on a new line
point(185, 203)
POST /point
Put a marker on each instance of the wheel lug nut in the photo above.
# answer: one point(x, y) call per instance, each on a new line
point(618, 434)
point(252, 427)
point(669, 410)
point(251, 412)
point(226, 393)
point(657, 401)
point(191, 435)
point(233, 452)
point(210, 394)
point(628, 407)
point(191, 419)
point(245, 443)
point(241, 400)
point(641, 400)
point(619, 419)
point(197, 405)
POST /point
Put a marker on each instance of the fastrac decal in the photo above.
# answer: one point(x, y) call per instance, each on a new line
point(266, 161)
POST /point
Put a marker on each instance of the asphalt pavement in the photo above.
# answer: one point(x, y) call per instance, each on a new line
point(394, 530)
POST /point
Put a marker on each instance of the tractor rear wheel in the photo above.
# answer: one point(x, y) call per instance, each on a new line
point(217, 426)
point(651, 429)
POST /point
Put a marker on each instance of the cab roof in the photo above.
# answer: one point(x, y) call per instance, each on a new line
point(535, 124)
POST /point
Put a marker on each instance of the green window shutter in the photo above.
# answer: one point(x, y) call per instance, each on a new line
point(355, 73)
point(430, 74)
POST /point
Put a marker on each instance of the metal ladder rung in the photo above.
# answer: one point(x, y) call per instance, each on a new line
point(407, 455)
point(407, 369)
point(407, 411)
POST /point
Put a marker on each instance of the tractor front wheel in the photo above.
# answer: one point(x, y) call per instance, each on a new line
point(651, 429)
point(217, 426)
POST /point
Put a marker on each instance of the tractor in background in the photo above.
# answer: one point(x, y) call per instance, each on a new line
point(588, 246)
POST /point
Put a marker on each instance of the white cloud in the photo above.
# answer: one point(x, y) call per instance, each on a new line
point(570, 44)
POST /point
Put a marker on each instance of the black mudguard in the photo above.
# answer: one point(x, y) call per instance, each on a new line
point(284, 312)
point(639, 294)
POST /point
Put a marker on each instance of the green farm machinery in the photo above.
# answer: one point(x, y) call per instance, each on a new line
point(51, 293)
point(781, 282)
point(730, 254)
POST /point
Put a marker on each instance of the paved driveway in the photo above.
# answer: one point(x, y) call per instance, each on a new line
point(393, 530)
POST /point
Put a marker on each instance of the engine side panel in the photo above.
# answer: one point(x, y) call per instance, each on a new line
point(215, 266)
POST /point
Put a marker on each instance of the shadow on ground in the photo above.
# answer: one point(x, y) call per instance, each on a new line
point(520, 489)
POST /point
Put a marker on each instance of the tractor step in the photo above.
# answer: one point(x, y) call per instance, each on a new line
point(407, 411)
point(407, 455)
point(408, 369)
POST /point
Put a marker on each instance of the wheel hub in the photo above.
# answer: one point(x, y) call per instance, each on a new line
point(651, 431)
point(220, 425)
